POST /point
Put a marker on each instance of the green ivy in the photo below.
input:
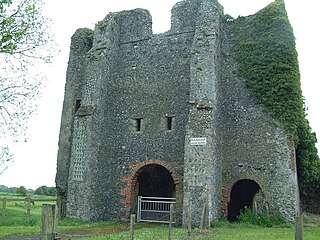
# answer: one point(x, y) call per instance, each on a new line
point(264, 47)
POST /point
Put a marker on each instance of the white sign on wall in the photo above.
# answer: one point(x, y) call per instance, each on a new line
point(198, 141)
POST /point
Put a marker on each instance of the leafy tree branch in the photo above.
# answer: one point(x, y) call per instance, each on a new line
point(25, 43)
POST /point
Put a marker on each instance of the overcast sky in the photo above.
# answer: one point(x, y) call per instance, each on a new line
point(35, 161)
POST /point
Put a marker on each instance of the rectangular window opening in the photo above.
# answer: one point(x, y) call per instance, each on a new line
point(138, 124)
point(170, 123)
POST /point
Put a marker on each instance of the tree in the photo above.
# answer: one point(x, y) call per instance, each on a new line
point(41, 190)
point(3, 188)
point(52, 191)
point(24, 39)
point(21, 191)
point(44, 190)
point(22, 27)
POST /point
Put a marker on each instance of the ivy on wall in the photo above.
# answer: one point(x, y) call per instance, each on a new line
point(264, 47)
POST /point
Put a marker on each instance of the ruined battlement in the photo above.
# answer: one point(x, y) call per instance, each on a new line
point(136, 25)
point(166, 115)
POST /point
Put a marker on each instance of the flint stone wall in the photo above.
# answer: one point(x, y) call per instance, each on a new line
point(122, 72)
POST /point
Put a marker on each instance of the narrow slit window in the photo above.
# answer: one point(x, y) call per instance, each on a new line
point(77, 105)
point(169, 123)
point(138, 124)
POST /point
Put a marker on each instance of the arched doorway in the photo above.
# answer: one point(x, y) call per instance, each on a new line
point(151, 178)
point(242, 195)
point(156, 190)
point(155, 181)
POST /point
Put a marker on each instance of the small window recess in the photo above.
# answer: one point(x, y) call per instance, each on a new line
point(169, 122)
point(138, 123)
point(77, 105)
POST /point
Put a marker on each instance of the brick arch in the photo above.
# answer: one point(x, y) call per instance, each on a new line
point(130, 182)
point(227, 188)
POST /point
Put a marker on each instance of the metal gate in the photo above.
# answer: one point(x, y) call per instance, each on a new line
point(155, 209)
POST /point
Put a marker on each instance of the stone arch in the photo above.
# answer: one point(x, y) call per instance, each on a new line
point(129, 192)
point(155, 180)
point(239, 193)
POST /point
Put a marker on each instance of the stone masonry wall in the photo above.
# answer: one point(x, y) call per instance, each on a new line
point(202, 179)
point(124, 83)
point(135, 76)
point(81, 43)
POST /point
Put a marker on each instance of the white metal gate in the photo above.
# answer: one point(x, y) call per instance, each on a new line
point(155, 209)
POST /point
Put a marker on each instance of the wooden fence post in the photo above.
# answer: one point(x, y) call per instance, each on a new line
point(204, 215)
point(202, 221)
point(28, 200)
point(255, 207)
point(4, 211)
point(268, 210)
point(132, 221)
point(48, 222)
point(189, 218)
point(170, 221)
point(299, 227)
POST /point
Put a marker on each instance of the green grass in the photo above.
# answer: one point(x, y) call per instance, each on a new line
point(16, 211)
point(17, 220)
point(143, 232)
point(151, 231)
point(18, 230)
point(239, 232)
point(18, 223)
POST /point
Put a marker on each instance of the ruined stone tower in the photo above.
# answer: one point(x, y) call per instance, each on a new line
point(166, 115)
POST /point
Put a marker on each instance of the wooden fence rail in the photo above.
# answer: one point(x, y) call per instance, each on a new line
point(28, 200)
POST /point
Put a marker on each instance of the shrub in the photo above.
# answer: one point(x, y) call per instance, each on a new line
point(263, 219)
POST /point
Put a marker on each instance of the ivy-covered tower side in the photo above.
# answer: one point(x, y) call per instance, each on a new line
point(259, 75)
point(264, 47)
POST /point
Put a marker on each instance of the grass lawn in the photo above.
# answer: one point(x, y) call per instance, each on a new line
point(16, 211)
point(144, 232)
point(19, 223)
point(114, 230)
point(227, 233)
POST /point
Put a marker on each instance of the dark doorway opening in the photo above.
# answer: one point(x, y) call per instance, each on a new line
point(241, 197)
point(155, 181)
